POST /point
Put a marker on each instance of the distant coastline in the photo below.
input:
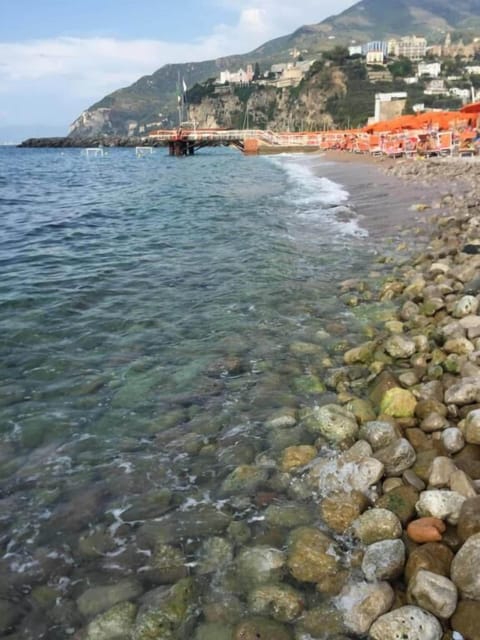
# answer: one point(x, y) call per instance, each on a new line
point(101, 140)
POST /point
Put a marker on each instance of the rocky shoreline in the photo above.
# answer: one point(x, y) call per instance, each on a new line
point(415, 416)
point(362, 517)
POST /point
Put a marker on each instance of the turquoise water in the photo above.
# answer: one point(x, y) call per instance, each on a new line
point(154, 314)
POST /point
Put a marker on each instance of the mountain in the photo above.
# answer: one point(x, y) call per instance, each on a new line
point(153, 98)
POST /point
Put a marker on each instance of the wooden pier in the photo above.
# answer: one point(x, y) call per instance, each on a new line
point(184, 142)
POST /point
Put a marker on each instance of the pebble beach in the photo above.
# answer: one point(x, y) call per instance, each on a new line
point(300, 461)
point(417, 430)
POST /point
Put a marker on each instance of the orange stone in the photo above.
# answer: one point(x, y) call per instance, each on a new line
point(426, 530)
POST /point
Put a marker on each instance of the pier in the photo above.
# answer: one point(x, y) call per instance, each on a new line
point(184, 142)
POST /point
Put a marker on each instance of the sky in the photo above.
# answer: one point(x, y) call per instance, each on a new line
point(57, 57)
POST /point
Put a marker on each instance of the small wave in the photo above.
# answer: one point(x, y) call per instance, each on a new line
point(316, 197)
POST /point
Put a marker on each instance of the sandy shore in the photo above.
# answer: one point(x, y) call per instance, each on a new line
point(380, 199)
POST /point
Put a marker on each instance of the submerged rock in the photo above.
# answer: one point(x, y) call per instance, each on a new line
point(256, 627)
point(258, 565)
point(98, 599)
point(167, 613)
point(114, 624)
point(244, 479)
point(311, 555)
point(280, 601)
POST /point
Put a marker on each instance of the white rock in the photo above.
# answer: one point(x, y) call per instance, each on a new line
point(332, 475)
point(433, 592)
point(362, 603)
point(472, 427)
point(440, 503)
point(467, 391)
point(465, 571)
point(384, 560)
point(409, 622)
point(453, 439)
point(467, 305)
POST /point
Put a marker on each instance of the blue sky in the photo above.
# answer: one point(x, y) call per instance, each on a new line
point(57, 57)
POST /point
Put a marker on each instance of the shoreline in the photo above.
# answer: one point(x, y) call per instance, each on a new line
point(416, 419)
point(348, 467)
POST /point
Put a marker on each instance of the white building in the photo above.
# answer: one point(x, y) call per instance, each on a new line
point(473, 69)
point(355, 50)
point(430, 69)
point(412, 47)
point(436, 88)
point(464, 94)
point(375, 57)
point(241, 76)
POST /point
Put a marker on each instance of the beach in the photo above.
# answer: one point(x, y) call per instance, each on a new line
point(236, 422)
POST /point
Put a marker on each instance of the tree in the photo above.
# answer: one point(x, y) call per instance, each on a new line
point(338, 55)
point(401, 68)
point(256, 72)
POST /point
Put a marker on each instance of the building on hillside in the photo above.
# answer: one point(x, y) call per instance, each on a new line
point(290, 77)
point(383, 75)
point(278, 68)
point(430, 69)
point(410, 80)
point(459, 48)
point(389, 105)
point(412, 47)
point(463, 94)
point(242, 76)
point(375, 45)
point(473, 69)
point(375, 57)
point(436, 88)
point(355, 50)
point(289, 74)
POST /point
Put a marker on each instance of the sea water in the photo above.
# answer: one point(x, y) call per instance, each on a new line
point(155, 314)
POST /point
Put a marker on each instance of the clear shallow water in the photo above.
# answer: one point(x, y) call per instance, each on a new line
point(154, 314)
